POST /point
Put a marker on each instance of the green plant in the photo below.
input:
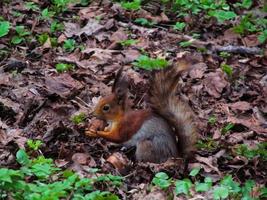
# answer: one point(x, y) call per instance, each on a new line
point(179, 26)
point(134, 5)
point(227, 69)
point(212, 120)
point(224, 54)
point(56, 26)
point(44, 37)
point(63, 67)
point(251, 153)
point(69, 45)
point(4, 28)
point(38, 178)
point(227, 128)
point(144, 22)
point(205, 186)
point(185, 44)
point(263, 37)
point(183, 186)
point(194, 171)
point(31, 6)
point(207, 144)
point(128, 42)
point(21, 33)
point(77, 119)
point(34, 144)
point(161, 180)
point(245, 4)
point(46, 14)
point(222, 15)
point(145, 62)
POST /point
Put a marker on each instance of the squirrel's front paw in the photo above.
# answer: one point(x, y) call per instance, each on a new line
point(90, 133)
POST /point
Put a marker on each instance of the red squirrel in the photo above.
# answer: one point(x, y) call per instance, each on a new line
point(163, 131)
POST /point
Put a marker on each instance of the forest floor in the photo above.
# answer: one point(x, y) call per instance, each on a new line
point(55, 64)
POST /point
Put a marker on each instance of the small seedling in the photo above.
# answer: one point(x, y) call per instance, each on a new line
point(77, 119)
point(46, 14)
point(21, 33)
point(263, 37)
point(69, 45)
point(222, 15)
point(56, 26)
point(144, 62)
point(227, 69)
point(194, 172)
point(134, 5)
point(179, 26)
point(227, 128)
point(4, 28)
point(144, 22)
point(126, 43)
point(208, 144)
point(34, 144)
point(183, 186)
point(63, 67)
point(224, 54)
point(212, 120)
point(31, 6)
point(161, 180)
point(185, 44)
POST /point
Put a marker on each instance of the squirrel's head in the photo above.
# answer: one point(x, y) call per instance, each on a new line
point(113, 106)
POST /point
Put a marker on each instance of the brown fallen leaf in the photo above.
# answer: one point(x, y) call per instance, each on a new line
point(63, 85)
point(214, 83)
point(240, 106)
point(80, 158)
point(92, 27)
point(198, 70)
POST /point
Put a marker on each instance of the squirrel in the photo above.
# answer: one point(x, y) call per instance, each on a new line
point(163, 131)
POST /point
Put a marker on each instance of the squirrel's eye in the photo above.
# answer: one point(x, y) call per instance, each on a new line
point(106, 108)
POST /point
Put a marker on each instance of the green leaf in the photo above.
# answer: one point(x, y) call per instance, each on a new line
point(162, 180)
point(185, 44)
point(227, 69)
point(144, 62)
point(134, 5)
point(144, 22)
point(179, 26)
point(202, 187)
point(245, 4)
point(182, 186)
point(227, 128)
point(16, 40)
point(230, 184)
point(21, 31)
point(4, 28)
point(63, 67)
point(69, 45)
point(194, 171)
point(128, 42)
point(221, 192)
point(212, 120)
point(77, 119)
point(263, 37)
point(23, 158)
point(222, 15)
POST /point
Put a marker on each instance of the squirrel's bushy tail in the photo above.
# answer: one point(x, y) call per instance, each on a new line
point(164, 102)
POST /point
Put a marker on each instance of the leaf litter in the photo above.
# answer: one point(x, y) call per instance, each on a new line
point(37, 103)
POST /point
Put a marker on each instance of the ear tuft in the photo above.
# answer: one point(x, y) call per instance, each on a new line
point(120, 87)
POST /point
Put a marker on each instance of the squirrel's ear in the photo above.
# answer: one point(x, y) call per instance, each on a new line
point(120, 87)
